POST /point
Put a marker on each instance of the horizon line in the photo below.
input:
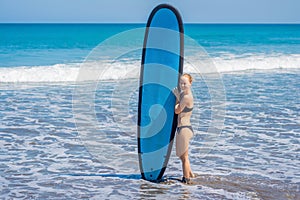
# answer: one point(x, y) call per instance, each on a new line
point(216, 23)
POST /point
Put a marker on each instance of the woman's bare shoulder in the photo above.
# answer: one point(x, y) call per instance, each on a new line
point(187, 97)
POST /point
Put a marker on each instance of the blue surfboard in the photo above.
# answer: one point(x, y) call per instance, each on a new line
point(161, 67)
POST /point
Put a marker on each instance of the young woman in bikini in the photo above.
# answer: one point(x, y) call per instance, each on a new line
point(183, 108)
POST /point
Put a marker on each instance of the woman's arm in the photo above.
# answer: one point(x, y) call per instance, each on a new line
point(181, 105)
point(176, 94)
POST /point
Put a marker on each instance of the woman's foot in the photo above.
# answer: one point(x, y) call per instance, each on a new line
point(192, 175)
point(186, 180)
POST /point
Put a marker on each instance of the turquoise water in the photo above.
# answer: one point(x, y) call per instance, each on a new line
point(50, 50)
point(67, 138)
point(247, 39)
point(49, 44)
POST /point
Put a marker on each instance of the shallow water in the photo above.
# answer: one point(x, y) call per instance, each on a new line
point(45, 154)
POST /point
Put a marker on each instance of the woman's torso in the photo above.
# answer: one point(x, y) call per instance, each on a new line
point(185, 116)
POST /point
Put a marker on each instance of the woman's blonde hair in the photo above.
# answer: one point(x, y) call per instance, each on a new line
point(188, 76)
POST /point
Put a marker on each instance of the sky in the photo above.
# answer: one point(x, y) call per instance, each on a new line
point(137, 11)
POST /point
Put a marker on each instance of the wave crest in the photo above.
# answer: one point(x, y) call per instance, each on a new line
point(117, 69)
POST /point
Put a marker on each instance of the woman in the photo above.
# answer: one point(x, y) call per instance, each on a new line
point(183, 108)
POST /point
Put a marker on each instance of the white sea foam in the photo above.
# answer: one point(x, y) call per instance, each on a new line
point(54, 73)
point(234, 63)
point(260, 62)
point(105, 70)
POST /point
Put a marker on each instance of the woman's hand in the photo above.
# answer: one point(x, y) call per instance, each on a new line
point(176, 93)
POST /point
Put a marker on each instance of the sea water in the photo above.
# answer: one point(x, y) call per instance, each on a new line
point(64, 135)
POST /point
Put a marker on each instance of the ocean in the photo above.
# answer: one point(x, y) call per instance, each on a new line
point(69, 109)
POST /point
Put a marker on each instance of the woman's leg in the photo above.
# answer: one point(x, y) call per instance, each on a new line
point(182, 143)
point(186, 167)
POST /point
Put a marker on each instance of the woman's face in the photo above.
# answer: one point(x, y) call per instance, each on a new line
point(184, 83)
